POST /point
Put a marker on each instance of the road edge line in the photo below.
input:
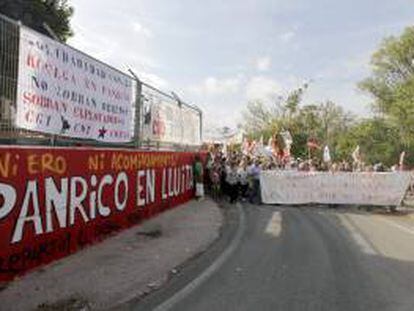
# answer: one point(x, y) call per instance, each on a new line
point(207, 273)
point(397, 225)
point(360, 238)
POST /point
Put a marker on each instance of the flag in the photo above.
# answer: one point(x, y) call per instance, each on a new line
point(252, 147)
point(287, 138)
point(270, 142)
point(355, 155)
point(225, 150)
point(245, 146)
point(276, 148)
point(401, 162)
point(267, 151)
point(313, 144)
point(260, 144)
point(326, 155)
point(286, 154)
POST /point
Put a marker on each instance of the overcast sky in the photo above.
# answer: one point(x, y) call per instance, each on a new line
point(219, 54)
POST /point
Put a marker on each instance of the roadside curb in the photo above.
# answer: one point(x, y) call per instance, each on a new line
point(124, 267)
point(207, 273)
point(410, 213)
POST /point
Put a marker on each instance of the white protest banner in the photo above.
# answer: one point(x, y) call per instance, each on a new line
point(284, 187)
point(164, 120)
point(65, 92)
point(191, 123)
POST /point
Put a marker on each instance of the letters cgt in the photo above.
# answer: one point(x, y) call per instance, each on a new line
point(54, 202)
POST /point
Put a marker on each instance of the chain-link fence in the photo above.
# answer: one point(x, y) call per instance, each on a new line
point(160, 120)
point(178, 128)
point(9, 47)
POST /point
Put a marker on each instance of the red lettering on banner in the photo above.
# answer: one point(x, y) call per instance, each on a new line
point(44, 102)
point(86, 114)
point(52, 70)
point(33, 61)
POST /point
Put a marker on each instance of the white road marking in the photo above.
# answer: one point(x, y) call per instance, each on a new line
point(274, 225)
point(363, 244)
point(394, 224)
point(200, 279)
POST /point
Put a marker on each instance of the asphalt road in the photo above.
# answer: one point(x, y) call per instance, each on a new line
point(314, 259)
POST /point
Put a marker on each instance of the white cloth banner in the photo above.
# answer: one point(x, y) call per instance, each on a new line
point(284, 187)
point(166, 121)
point(65, 92)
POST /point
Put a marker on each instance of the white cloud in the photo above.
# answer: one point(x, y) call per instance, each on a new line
point(120, 52)
point(262, 88)
point(345, 94)
point(346, 69)
point(154, 80)
point(219, 98)
point(218, 117)
point(140, 29)
point(91, 44)
point(213, 86)
point(286, 36)
point(263, 63)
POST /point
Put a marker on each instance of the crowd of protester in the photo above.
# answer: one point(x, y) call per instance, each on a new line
point(236, 175)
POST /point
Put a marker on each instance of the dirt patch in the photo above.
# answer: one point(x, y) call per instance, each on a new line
point(395, 213)
point(69, 304)
point(153, 234)
point(3, 286)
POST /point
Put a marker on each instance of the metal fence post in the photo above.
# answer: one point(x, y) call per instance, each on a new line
point(201, 126)
point(145, 95)
point(138, 104)
point(138, 97)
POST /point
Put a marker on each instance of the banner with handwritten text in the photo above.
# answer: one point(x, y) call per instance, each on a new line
point(367, 188)
point(65, 92)
point(55, 201)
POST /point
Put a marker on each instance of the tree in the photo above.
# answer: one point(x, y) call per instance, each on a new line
point(310, 121)
point(324, 122)
point(392, 83)
point(36, 13)
point(260, 118)
point(294, 99)
point(381, 138)
point(256, 117)
point(335, 121)
point(377, 138)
